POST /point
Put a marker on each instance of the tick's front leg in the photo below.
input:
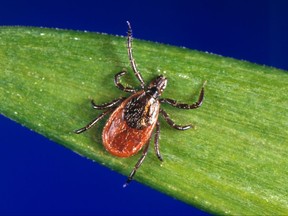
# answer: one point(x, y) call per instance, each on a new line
point(131, 59)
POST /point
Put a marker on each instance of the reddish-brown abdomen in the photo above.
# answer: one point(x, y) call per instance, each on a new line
point(121, 140)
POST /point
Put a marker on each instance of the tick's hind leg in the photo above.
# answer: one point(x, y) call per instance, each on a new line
point(138, 164)
point(111, 104)
point(172, 123)
point(92, 123)
point(156, 141)
point(119, 85)
point(185, 106)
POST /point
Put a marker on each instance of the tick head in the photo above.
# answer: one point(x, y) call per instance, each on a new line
point(157, 86)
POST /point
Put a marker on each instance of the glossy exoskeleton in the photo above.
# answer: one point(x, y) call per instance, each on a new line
point(133, 119)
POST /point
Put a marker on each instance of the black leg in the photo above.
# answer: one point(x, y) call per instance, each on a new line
point(119, 85)
point(156, 141)
point(111, 104)
point(131, 59)
point(185, 106)
point(92, 123)
point(138, 164)
point(171, 122)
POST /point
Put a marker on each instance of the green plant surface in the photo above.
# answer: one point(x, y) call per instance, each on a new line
point(235, 160)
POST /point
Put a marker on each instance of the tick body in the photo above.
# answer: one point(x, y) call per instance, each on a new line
point(130, 126)
point(133, 119)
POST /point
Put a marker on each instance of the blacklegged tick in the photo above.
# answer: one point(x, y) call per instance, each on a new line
point(133, 119)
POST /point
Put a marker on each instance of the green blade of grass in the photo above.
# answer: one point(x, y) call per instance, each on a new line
point(234, 162)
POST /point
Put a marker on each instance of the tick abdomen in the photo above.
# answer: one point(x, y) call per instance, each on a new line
point(127, 131)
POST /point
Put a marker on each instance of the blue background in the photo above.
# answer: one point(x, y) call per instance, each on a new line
point(41, 177)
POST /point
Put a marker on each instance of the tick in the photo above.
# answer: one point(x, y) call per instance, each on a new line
point(133, 119)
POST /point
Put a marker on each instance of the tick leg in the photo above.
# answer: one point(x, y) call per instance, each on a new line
point(156, 141)
point(174, 103)
point(130, 55)
point(172, 123)
point(111, 104)
point(119, 85)
point(92, 123)
point(138, 164)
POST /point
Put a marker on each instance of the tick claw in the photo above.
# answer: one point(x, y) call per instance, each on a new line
point(79, 130)
point(160, 158)
point(129, 179)
point(126, 184)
